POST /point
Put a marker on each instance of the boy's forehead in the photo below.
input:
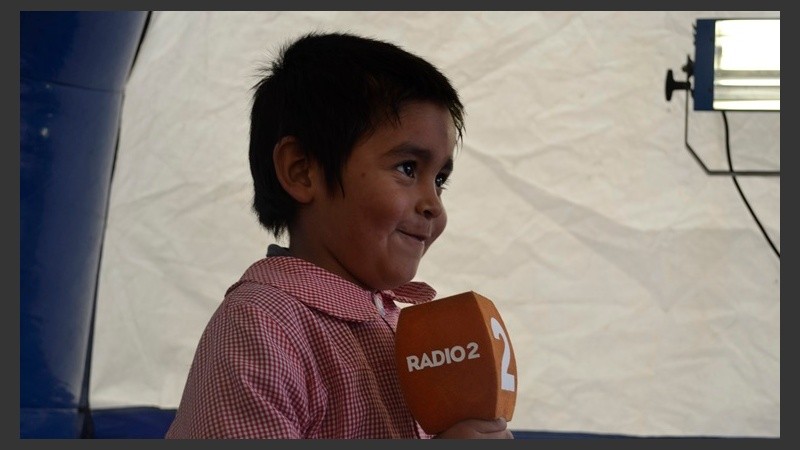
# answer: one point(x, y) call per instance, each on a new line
point(410, 120)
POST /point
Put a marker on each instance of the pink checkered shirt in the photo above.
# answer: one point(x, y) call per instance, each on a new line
point(293, 352)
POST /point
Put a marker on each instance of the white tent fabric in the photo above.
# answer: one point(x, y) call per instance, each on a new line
point(638, 292)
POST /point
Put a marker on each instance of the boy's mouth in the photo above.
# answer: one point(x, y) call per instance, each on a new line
point(419, 237)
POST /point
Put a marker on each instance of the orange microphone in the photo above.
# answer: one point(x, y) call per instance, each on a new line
point(455, 361)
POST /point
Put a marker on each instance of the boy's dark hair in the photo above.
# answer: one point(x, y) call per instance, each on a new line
point(328, 91)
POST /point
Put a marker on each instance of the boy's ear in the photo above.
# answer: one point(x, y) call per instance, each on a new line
point(295, 170)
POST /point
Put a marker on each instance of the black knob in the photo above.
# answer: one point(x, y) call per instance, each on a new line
point(672, 85)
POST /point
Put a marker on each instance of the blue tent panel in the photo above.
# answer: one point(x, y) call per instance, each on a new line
point(131, 423)
point(73, 68)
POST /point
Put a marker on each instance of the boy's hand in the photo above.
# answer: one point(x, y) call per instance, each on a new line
point(477, 429)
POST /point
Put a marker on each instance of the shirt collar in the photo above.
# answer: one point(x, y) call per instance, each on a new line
point(325, 291)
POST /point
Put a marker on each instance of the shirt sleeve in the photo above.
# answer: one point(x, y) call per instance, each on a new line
point(248, 380)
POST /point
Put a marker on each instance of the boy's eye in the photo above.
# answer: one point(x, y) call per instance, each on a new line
point(441, 180)
point(407, 168)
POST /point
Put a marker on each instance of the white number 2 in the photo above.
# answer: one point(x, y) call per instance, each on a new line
point(506, 379)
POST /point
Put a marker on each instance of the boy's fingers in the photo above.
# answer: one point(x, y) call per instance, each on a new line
point(489, 426)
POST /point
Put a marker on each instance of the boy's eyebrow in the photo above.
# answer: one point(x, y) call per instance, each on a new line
point(424, 154)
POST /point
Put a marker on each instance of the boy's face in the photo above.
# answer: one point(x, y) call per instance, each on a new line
point(391, 211)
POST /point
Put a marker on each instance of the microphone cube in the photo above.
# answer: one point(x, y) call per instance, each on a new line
point(455, 361)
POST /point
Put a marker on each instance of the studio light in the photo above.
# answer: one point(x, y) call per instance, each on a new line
point(737, 68)
point(737, 65)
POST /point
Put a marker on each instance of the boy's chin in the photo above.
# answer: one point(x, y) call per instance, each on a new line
point(393, 280)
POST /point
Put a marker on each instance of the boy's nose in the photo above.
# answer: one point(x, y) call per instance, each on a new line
point(430, 204)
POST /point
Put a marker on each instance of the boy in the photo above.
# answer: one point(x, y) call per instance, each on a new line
point(351, 145)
